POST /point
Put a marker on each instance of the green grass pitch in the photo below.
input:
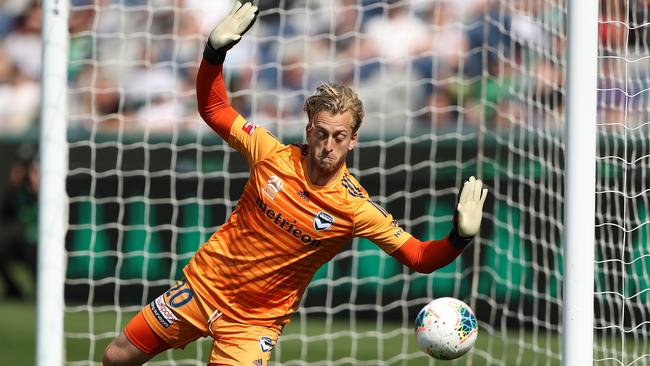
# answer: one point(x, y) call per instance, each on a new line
point(370, 343)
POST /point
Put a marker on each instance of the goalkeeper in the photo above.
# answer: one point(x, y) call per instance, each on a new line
point(299, 207)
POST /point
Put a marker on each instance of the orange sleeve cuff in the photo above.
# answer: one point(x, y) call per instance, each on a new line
point(426, 257)
point(143, 337)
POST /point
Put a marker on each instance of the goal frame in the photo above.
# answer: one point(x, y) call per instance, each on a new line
point(52, 198)
point(580, 183)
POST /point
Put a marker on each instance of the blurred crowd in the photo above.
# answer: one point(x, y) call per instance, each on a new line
point(415, 63)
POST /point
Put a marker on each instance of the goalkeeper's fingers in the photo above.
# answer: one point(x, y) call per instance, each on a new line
point(235, 8)
point(484, 192)
point(471, 191)
point(464, 194)
point(477, 190)
point(480, 192)
point(469, 212)
point(230, 30)
point(246, 15)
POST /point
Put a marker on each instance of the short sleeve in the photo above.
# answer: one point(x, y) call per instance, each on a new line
point(373, 222)
point(254, 142)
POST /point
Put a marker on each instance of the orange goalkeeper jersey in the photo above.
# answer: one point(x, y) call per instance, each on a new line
point(256, 267)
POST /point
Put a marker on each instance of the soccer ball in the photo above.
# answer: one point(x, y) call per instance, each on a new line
point(446, 328)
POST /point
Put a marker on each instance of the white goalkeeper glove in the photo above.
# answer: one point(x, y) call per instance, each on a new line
point(229, 31)
point(469, 212)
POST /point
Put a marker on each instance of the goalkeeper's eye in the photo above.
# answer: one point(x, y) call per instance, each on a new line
point(321, 135)
point(339, 138)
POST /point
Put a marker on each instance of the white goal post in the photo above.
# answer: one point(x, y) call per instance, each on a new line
point(580, 202)
point(552, 115)
point(53, 204)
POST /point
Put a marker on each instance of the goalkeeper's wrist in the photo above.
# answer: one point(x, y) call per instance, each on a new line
point(214, 56)
point(458, 241)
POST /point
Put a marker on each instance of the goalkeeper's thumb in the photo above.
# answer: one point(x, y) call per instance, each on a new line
point(469, 212)
point(230, 29)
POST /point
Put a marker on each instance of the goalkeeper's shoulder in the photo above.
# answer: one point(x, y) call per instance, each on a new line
point(352, 189)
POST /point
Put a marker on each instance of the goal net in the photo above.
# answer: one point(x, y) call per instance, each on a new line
point(622, 201)
point(451, 89)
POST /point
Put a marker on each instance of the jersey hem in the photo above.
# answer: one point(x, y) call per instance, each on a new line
point(214, 303)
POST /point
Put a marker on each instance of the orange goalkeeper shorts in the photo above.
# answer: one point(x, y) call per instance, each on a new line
point(179, 316)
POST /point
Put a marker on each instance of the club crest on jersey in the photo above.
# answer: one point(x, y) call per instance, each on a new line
point(323, 221)
point(266, 344)
point(249, 128)
point(273, 187)
point(285, 223)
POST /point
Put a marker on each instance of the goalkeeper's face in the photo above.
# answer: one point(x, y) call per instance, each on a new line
point(330, 138)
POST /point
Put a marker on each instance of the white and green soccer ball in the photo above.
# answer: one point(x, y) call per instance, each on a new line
point(446, 328)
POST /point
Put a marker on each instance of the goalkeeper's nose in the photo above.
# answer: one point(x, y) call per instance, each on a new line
point(329, 145)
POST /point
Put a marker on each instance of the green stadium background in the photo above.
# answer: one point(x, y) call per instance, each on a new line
point(149, 228)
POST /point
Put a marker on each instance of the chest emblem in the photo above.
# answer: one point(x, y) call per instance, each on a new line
point(273, 187)
point(323, 221)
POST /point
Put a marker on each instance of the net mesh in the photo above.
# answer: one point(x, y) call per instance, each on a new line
point(622, 281)
point(450, 89)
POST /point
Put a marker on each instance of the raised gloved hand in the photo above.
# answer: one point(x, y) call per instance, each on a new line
point(469, 212)
point(229, 31)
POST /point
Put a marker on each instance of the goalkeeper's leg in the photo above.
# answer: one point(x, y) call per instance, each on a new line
point(170, 321)
point(123, 350)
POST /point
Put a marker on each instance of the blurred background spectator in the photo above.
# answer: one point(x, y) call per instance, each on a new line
point(23, 42)
point(424, 64)
point(19, 96)
point(20, 66)
point(19, 222)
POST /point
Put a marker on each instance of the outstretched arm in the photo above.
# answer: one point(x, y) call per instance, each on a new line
point(213, 104)
point(428, 256)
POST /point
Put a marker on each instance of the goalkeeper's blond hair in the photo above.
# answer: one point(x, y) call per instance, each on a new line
point(335, 99)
